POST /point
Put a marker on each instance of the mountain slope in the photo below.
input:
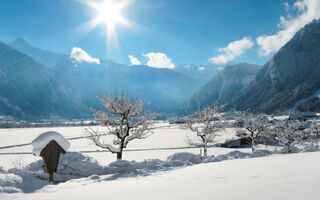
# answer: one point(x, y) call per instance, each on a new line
point(203, 73)
point(224, 86)
point(292, 75)
point(28, 89)
point(46, 57)
point(164, 90)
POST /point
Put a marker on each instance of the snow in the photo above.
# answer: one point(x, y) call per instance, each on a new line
point(316, 94)
point(45, 138)
point(166, 140)
point(74, 165)
point(161, 166)
point(289, 176)
point(189, 157)
point(9, 183)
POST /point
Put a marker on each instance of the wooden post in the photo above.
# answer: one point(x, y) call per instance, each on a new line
point(51, 177)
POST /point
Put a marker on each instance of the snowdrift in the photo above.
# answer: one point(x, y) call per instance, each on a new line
point(74, 165)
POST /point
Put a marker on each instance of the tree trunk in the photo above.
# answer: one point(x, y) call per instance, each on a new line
point(289, 149)
point(266, 143)
point(51, 177)
point(205, 150)
point(119, 155)
point(252, 145)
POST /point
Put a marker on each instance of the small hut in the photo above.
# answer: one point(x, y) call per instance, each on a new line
point(49, 146)
point(303, 116)
point(309, 115)
point(237, 143)
point(295, 116)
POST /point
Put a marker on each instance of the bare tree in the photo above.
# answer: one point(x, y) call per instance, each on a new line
point(266, 137)
point(125, 121)
point(206, 124)
point(288, 133)
point(315, 132)
point(252, 126)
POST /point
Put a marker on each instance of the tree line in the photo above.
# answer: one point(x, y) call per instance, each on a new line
point(124, 120)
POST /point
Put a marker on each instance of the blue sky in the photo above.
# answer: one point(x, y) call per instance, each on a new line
point(183, 31)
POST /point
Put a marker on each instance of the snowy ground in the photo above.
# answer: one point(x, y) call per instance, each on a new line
point(294, 177)
point(149, 174)
point(165, 141)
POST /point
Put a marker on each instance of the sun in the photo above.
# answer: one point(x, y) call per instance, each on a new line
point(109, 13)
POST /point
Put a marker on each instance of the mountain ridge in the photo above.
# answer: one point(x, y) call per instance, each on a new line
point(165, 90)
point(227, 83)
point(291, 75)
point(28, 89)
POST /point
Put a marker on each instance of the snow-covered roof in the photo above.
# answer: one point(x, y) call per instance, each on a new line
point(309, 114)
point(295, 116)
point(45, 138)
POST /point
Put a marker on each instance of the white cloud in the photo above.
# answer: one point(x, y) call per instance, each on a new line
point(308, 10)
point(80, 55)
point(134, 60)
point(233, 50)
point(282, 22)
point(201, 68)
point(286, 6)
point(158, 60)
point(187, 66)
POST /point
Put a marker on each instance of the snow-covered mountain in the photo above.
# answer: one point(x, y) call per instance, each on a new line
point(164, 90)
point(46, 57)
point(289, 79)
point(37, 83)
point(203, 73)
point(29, 89)
point(223, 86)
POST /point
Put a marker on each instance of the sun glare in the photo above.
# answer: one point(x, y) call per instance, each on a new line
point(109, 12)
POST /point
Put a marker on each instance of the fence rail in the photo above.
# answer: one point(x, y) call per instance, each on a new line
point(74, 138)
point(126, 150)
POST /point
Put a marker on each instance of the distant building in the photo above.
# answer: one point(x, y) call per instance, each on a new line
point(309, 115)
point(295, 116)
point(177, 121)
point(274, 121)
point(237, 143)
point(303, 116)
point(303, 126)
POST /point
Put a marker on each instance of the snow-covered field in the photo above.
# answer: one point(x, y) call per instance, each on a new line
point(284, 177)
point(165, 141)
point(150, 174)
